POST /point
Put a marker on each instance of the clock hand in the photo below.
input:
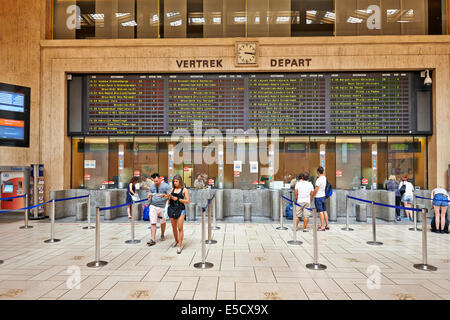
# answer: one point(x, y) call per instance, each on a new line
point(252, 53)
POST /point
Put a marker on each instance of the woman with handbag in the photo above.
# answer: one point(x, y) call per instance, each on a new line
point(131, 193)
point(178, 198)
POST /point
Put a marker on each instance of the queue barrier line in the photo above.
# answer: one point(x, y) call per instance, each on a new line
point(115, 207)
point(10, 198)
point(430, 199)
point(73, 198)
point(383, 204)
point(27, 208)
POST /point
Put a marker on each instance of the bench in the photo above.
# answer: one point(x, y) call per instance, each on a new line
point(361, 212)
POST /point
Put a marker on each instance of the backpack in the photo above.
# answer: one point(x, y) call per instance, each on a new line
point(433, 224)
point(402, 189)
point(328, 190)
point(289, 211)
point(146, 213)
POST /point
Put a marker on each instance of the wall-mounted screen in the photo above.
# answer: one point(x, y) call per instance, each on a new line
point(14, 115)
point(330, 103)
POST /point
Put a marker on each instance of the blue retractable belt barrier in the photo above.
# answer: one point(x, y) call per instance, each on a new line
point(9, 198)
point(74, 198)
point(27, 208)
point(430, 199)
point(295, 203)
point(115, 207)
point(140, 201)
point(384, 205)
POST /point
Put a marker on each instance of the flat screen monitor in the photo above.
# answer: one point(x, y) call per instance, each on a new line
point(8, 188)
point(14, 115)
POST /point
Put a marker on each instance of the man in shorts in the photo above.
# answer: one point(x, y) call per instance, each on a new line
point(303, 195)
point(320, 199)
point(157, 199)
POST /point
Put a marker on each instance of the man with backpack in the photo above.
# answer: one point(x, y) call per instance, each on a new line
point(320, 198)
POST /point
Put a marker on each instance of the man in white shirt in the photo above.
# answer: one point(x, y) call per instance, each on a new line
point(303, 195)
point(320, 199)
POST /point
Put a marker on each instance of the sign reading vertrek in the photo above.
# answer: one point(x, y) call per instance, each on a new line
point(217, 63)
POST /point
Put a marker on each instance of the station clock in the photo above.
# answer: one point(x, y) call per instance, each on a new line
point(246, 53)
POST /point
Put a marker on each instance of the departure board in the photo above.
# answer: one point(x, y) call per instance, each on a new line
point(345, 103)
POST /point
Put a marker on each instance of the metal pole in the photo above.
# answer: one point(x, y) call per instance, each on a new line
point(415, 216)
point(315, 265)
point(210, 241)
point(203, 264)
point(89, 215)
point(97, 263)
point(132, 241)
point(294, 241)
point(424, 266)
point(347, 208)
point(374, 242)
point(52, 225)
point(281, 227)
point(214, 227)
point(26, 226)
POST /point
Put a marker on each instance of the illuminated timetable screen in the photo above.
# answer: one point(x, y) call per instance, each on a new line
point(344, 103)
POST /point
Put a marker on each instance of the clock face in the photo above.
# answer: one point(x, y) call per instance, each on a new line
point(246, 53)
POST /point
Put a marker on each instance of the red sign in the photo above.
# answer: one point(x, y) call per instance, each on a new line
point(111, 182)
point(237, 173)
point(187, 169)
point(338, 173)
point(211, 182)
point(365, 181)
point(105, 182)
point(255, 182)
point(87, 177)
point(137, 173)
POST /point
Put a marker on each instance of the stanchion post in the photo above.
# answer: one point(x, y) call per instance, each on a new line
point(26, 226)
point(294, 241)
point(52, 225)
point(88, 214)
point(315, 265)
point(347, 208)
point(210, 241)
point(132, 241)
point(97, 263)
point(374, 242)
point(214, 227)
point(415, 215)
point(203, 264)
point(281, 227)
point(424, 265)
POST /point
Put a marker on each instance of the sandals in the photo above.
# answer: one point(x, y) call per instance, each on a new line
point(320, 229)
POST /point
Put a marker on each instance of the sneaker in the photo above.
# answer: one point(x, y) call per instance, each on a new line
point(151, 243)
point(174, 244)
point(178, 250)
point(441, 231)
point(320, 229)
point(305, 230)
point(398, 219)
point(163, 238)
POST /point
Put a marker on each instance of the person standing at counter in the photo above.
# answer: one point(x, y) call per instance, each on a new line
point(320, 199)
point(131, 191)
point(146, 183)
point(178, 198)
point(440, 204)
point(303, 195)
point(392, 185)
point(199, 183)
point(407, 197)
point(158, 198)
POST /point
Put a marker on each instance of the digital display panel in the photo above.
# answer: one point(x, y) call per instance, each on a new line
point(345, 103)
point(14, 115)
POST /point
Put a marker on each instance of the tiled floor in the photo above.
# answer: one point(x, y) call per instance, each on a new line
point(251, 261)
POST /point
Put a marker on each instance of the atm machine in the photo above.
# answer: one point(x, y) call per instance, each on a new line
point(14, 181)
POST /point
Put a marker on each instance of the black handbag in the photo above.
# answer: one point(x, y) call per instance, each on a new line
point(402, 189)
point(174, 212)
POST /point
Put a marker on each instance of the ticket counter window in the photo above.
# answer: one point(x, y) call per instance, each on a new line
point(374, 161)
point(420, 162)
point(145, 152)
point(401, 157)
point(120, 161)
point(296, 156)
point(77, 163)
point(323, 153)
point(348, 163)
point(96, 156)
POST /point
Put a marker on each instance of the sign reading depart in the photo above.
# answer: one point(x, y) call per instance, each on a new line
point(295, 103)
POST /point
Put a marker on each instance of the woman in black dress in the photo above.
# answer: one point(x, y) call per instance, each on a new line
point(178, 198)
point(131, 191)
